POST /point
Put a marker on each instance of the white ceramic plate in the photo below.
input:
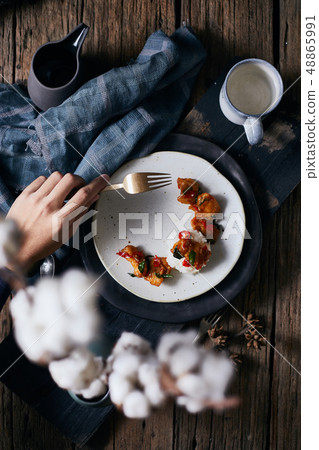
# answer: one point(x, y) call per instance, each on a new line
point(151, 221)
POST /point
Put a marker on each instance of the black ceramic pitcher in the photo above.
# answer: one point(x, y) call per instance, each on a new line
point(56, 71)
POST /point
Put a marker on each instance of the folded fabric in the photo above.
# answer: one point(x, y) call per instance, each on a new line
point(120, 114)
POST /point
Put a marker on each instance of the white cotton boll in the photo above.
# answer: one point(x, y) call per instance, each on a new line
point(66, 373)
point(132, 341)
point(77, 291)
point(27, 338)
point(58, 327)
point(170, 342)
point(78, 371)
point(53, 339)
point(20, 306)
point(155, 394)
point(127, 364)
point(136, 405)
point(96, 389)
point(109, 363)
point(10, 241)
point(46, 305)
point(191, 404)
point(184, 359)
point(148, 372)
point(217, 372)
point(119, 387)
point(192, 385)
point(33, 337)
point(83, 329)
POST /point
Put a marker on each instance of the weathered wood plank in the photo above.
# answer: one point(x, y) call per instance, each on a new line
point(285, 388)
point(290, 46)
point(7, 45)
point(119, 29)
point(247, 427)
point(184, 421)
point(32, 431)
point(138, 434)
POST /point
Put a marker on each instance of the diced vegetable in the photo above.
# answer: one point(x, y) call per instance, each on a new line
point(177, 253)
point(184, 235)
point(141, 266)
point(191, 257)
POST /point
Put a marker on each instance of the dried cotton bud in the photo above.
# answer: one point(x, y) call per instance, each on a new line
point(192, 405)
point(136, 405)
point(132, 342)
point(55, 316)
point(119, 387)
point(184, 360)
point(134, 380)
point(127, 365)
point(96, 389)
point(155, 393)
point(192, 385)
point(81, 372)
point(170, 341)
point(197, 376)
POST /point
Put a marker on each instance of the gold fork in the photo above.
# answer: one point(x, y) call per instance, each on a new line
point(135, 183)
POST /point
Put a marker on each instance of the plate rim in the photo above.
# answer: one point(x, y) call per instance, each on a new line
point(211, 285)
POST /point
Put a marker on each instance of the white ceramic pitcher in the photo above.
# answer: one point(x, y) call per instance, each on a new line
point(251, 90)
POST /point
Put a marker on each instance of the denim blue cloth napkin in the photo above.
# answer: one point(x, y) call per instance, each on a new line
point(122, 113)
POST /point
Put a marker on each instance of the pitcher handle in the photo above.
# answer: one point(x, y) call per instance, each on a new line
point(254, 130)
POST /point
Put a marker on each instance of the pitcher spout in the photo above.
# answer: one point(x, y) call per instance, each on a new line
point(75, 39)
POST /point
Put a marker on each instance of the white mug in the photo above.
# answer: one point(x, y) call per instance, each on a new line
point(252, 89)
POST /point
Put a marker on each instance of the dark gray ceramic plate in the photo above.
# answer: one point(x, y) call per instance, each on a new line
point(227, 289)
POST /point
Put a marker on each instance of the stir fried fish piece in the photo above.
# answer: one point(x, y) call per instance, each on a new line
point(208, 228)
point(206, 204)
point(196, 254)
point(158, 270)
point(203, 204)
point(136, 258)
point(205, 208)
point(189, 190)
point(154, 270)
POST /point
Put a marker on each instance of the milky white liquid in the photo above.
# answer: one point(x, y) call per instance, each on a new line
point(250, 88)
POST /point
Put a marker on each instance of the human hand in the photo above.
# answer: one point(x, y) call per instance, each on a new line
point(41, 213)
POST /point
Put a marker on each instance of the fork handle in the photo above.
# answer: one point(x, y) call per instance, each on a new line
point(112, 187)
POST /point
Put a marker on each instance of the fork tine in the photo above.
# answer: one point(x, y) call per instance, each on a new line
point(158, 180)
point(154, 174)
point(152, 187)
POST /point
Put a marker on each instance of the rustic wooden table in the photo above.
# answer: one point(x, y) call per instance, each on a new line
point(269, 385)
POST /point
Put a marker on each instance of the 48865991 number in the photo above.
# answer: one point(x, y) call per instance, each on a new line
point(310, 45)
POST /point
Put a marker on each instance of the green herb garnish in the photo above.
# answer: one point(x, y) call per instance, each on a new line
point(165, 275)
point(191, 257)
point(177, 254)
point(131, 275)
point(141, 266)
